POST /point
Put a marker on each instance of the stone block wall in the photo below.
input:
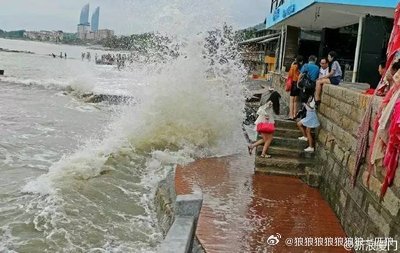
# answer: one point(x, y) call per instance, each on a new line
point(359, 209)
point(278, 83)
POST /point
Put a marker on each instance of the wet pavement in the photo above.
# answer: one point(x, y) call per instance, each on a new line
point(241, 210)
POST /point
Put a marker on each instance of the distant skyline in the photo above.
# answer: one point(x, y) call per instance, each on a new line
point(123, 16)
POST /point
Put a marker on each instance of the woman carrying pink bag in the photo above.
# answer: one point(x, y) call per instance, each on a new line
point(265, 125)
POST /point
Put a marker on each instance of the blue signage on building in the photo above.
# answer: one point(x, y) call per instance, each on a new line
point(289, 10)
point(290, 7)
point(276, 14)
point(285, 12)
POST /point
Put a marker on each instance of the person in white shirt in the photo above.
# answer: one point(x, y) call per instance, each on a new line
point(324, 69)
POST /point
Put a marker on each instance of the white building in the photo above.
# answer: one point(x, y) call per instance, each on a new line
point(104, 34)
point(84, 33)
point(54, 36)
point(83, 30)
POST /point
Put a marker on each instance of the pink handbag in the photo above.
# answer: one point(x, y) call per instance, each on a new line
point(266, 127)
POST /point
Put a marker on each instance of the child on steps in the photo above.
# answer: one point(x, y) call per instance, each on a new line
point(309, 122)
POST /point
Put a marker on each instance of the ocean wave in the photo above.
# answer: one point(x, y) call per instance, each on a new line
point(42, 83)
point(104, 190)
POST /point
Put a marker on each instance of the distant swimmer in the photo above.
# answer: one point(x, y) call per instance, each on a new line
point(83, 56)
point(61, 55)
point(65, 55)
point(54, 56)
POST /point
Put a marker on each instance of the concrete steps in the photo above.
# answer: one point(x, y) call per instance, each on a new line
point(288, 155)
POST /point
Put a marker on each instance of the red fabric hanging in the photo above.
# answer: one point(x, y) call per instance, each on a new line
point(394, 41)
point(386, 99)
point(393, 46)
point(391, 159)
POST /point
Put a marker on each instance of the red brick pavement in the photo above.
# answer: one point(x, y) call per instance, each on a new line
point(241, 210)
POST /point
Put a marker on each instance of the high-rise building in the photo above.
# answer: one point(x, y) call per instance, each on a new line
point(84, 19)
point(95, 20)
point(84, 25)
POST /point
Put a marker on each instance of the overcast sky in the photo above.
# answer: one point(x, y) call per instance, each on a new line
point(126, 16)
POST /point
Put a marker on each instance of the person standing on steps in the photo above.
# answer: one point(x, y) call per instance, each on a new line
point(265, 125)
point(309, 71)
point(309, 122)
point(294, 74)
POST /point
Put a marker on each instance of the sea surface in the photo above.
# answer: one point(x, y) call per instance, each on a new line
point(79, 176)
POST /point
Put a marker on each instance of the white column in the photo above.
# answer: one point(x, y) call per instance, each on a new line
point(357, 56)
point(284, 47)
point(280, 62)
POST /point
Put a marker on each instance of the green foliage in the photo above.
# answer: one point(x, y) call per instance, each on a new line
point(137, 42)
point(246, 34)
point(12, 34)
point(71, 38)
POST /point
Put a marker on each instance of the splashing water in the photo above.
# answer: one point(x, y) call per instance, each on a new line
point(99, 198)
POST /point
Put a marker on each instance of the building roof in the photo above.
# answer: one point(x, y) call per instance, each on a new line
point(269, 40)
point(318, 14)
point(258, 39)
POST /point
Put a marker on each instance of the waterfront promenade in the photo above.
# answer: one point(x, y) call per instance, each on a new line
point(241, 209)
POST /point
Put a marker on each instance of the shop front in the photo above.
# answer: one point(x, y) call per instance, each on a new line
point(357, 30)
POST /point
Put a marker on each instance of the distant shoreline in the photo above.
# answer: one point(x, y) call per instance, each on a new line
point(53, 43)
point(15, 51)
point(86, 45)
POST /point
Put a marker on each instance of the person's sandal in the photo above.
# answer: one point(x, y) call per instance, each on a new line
point(265, 156)
point(250, 150)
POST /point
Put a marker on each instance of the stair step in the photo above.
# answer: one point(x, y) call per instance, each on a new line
point(289, 143)
point(288, 133)
point(279, 172)
point(284, 163)
point(286, 152)
point(286, 124)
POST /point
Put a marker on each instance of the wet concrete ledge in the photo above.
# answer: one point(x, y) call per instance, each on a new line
point(177, 216)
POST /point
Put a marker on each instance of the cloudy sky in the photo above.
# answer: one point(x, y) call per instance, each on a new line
point(127, 16)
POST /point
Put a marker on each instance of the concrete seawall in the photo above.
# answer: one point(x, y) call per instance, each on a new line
point(177, 216)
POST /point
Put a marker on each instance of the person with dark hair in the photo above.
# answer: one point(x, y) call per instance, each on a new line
point(309, 72)
point(381, 71)
point(310, 68)
point(266, 115)
point(333, 77)
point(324, 67)
point(387, 82)
point(382, 68)
point(294, 74)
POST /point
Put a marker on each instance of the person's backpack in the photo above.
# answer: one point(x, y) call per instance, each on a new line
point(306, 83)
